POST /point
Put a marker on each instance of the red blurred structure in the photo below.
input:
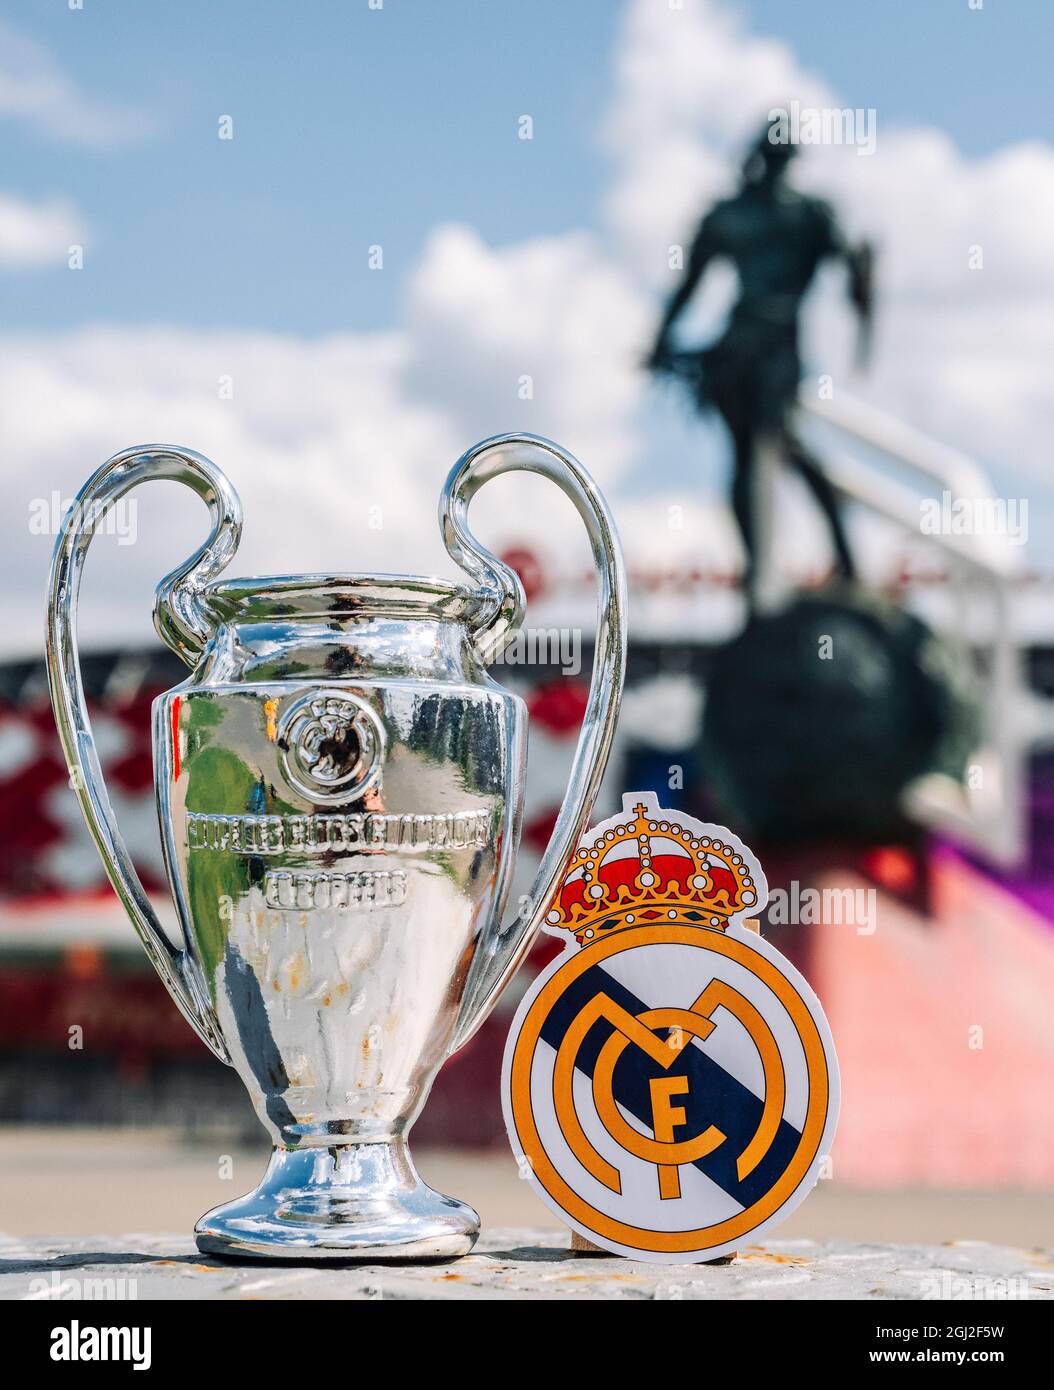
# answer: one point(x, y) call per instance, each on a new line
point(939, 999)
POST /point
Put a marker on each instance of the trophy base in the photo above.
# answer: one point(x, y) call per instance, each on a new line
point(361, 1202)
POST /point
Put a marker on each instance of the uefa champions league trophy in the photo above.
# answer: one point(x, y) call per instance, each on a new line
point(340, 788)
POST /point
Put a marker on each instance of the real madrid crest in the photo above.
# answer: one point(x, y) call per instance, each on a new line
point(670, 1084)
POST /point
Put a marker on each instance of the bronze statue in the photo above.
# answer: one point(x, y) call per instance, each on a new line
point(776, 238)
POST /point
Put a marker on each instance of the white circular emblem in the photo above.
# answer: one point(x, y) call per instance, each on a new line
point(671, 1092)
point(332, 746)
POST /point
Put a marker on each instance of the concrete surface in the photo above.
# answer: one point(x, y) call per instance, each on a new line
point(107, 1181)
point(525, 1264)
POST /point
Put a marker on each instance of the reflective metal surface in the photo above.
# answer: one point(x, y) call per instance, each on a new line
point(340, 787)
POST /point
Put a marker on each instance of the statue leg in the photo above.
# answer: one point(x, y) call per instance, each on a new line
point(743, 501)
point(819, 484)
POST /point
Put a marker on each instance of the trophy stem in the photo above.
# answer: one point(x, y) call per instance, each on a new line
point(356, 1201)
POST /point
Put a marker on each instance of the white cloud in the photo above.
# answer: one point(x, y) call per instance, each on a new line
point(37, 234)
point(544, 335)
point(35, 89)
point(960, 353)
point(691, 87)
point(318, 433)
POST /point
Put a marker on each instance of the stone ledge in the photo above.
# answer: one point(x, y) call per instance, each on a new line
point(525, 1264)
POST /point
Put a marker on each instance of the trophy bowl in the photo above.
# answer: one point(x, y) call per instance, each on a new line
point(339, 785)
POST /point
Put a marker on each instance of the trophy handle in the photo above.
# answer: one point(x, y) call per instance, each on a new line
point(502, 614)
point(182, 622)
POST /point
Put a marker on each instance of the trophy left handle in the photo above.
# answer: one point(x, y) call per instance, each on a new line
point(183, 622)
point(499, 616)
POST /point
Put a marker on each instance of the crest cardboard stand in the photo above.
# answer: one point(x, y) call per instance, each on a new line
point(670, 1084)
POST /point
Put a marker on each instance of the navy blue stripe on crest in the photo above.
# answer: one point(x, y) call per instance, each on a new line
point(714, 1096)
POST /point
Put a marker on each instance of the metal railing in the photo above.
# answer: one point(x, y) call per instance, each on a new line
point(989, 812)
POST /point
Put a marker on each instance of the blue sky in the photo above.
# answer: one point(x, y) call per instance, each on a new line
point(352, 127)
point(356, 126)
point(505, 260)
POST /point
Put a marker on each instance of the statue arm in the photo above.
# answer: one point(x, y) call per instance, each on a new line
point(704, 249)
point(859, 259)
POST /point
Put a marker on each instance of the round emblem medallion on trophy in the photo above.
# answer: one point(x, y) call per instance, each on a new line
point(332, 746)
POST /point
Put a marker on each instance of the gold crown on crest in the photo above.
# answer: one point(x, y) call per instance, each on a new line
point(648, 866)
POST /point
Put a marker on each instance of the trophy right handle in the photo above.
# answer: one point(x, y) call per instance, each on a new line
point(183, 623)
point(501, 614)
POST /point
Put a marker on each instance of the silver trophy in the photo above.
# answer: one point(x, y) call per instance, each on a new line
point(340, 787)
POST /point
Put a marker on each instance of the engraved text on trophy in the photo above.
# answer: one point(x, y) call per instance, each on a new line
point(301, 892)
point(322, 834)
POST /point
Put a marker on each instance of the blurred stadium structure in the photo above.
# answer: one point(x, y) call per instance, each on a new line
point(940, 996)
